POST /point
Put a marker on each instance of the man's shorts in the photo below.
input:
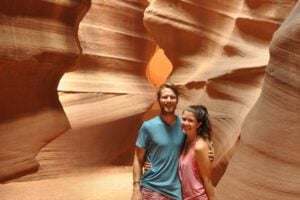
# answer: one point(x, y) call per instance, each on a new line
point(148, 194)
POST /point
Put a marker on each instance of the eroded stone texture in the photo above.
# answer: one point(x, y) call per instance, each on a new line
point(105, 96)
point(219, 50)
point(267, 163)
point(116, 50)
point(38, 44)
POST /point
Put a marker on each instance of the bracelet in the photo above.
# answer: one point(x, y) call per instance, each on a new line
point(134, 182)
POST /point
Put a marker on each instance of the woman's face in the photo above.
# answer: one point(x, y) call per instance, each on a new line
point(189, 123)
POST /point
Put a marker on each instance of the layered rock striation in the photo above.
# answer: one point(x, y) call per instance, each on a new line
point(74, 88)
point(266, 164)
point(104, 92)
point(219, 51)
point(38, 44)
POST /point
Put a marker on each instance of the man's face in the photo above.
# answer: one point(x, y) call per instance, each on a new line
point(168, 101)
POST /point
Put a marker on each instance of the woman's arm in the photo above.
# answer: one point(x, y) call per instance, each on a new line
point(205, 167)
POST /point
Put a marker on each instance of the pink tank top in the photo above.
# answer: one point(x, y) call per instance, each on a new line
point(189, 174)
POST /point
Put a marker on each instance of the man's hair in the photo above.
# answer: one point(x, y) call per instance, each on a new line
point(167, 85)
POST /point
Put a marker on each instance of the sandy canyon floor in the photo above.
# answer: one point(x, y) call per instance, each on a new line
point(110, 183)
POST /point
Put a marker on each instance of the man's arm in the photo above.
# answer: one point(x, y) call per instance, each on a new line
point(138, 161)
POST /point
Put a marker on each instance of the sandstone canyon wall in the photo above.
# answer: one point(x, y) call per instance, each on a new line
point(73, 74)
point(38, 44)
point(267, 163)
point(219, 51)
point(105, 48)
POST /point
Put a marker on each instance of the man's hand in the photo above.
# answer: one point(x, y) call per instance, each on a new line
point(136, 193)
point(211, 152)
point(138, 162)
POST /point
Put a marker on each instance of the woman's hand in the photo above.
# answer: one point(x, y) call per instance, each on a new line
point(147, 165)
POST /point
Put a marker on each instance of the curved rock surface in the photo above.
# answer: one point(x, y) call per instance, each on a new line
point(219, 51)
point(267, 163)
point(104, 95)
point(68, 126)
point(38, 44)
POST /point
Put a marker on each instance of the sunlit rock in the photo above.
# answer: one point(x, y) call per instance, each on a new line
point(266, 164)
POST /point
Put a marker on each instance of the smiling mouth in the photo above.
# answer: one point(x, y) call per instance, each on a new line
point(186, 128)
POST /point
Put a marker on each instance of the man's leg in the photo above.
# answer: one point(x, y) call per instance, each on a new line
point(148, 194)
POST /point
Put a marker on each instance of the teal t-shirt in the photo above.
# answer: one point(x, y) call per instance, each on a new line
point(162, 143)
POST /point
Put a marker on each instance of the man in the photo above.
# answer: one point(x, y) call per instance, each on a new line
point(159, 142)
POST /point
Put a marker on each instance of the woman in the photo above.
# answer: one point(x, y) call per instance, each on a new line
point(194, 165)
